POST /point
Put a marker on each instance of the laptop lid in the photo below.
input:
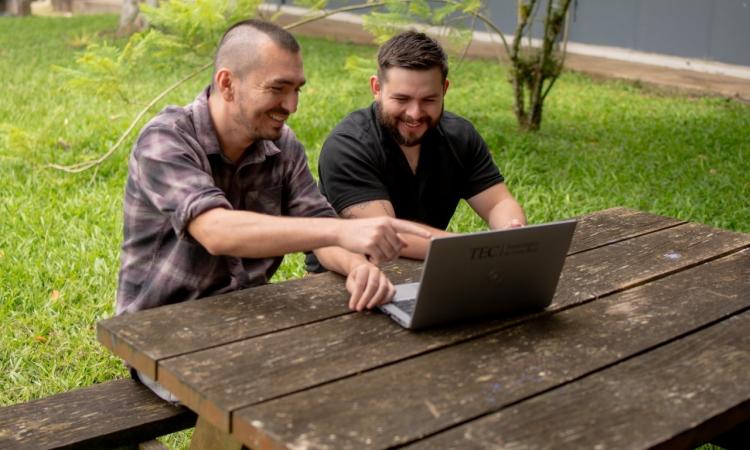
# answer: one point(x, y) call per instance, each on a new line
point(491, 273)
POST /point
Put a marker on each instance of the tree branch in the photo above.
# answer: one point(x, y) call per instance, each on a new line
point(81, 166)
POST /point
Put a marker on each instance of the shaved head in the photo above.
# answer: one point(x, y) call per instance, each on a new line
point(240, 47)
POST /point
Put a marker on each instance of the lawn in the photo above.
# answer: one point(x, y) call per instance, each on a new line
point(602, 144)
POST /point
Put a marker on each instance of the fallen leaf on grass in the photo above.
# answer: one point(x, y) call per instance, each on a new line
point(41, 339)
point(54, 295)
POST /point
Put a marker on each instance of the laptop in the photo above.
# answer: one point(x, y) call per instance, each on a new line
point(489, 273)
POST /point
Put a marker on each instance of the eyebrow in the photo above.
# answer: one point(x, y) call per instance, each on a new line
point(287, 81)
point(401, 95)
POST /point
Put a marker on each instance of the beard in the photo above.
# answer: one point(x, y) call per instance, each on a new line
point(390, 123)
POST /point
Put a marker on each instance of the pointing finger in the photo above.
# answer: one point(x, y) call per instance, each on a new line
point(403, 226)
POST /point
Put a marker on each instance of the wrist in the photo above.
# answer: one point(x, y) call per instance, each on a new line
point(356, 260)
point(332, 232)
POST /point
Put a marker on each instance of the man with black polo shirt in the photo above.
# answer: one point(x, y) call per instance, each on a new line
point(405, 157)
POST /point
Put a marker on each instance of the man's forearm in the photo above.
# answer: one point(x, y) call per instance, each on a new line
point(503, 214)
point(416, 247)
point(253, 235)
point(338, 259)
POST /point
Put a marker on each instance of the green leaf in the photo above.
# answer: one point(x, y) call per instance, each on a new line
point(440, 14)
point(472, 6)
point(384, 25)
point(420, 9)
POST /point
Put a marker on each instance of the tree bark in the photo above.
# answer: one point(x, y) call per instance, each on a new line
point(129, 18)
point(534, 74)
point(16, 7)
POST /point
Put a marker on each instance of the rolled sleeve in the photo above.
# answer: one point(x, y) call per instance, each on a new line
point(195, 205)
point(176, 181)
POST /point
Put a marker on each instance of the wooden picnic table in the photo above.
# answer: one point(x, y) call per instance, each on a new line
point(646, 343)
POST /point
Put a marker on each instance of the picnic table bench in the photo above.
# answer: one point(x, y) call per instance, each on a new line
point(114, 414)
point(645, 344)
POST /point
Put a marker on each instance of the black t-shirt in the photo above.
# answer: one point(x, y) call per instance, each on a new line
point(360, 161)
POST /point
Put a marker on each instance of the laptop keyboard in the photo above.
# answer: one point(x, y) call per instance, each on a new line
point(407, 306)
point(406, 297)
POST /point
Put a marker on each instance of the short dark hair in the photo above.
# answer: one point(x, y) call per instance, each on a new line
point(278, 35)
point(412, 50)
point(238, 50)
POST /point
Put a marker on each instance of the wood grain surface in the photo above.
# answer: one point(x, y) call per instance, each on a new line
point(614, 225)
point(654, 401)
point(444, 389)
point(104, 415)
point(178, 329)
point(216, 381)
point(288, 366)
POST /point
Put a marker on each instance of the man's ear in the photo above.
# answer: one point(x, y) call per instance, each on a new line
point(375, 85)
point(445, 86)
point(225, 84)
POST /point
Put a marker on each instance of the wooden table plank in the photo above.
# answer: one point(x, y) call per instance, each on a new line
point(171, 330)
point(617, 266)
point(301, 357)
point(614, 225)
point(184, 327)
point(652, 401)
point(481, 376)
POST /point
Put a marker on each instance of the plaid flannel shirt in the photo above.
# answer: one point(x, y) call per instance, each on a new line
point(176, 172)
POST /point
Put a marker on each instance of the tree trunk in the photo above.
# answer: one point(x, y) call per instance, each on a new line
point(129, 22)
point(16, 7)
point(131, 19)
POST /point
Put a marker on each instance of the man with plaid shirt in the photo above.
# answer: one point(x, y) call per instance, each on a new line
point(219, 190)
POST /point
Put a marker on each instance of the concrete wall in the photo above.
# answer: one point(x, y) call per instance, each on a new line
point(96, 6)
point(716, 30)
point(713, 30)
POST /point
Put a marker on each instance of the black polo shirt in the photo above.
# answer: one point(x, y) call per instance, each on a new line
point(360, 161)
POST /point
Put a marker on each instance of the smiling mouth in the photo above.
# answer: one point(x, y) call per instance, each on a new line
point(412, 124)
point(278, 117)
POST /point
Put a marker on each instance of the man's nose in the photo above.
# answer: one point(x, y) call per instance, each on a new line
point(414, 110)
point(290, 102)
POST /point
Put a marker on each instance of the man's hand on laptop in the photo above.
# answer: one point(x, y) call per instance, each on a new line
point(515, 223)
point(378, 237)
point(368, 286)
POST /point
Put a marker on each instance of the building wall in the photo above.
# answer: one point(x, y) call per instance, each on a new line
point(716, 30)
point(713, 30)
point(96, 6)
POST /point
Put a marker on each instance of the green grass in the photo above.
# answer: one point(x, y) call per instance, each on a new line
point(601, 145)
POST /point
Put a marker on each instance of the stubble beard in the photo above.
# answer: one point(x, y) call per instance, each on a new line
point(256, 131)
point(390, 123)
